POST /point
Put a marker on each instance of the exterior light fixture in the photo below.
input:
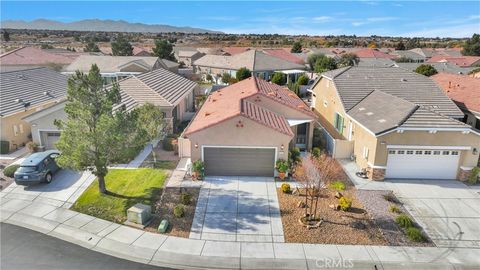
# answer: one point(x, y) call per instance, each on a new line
point(282, 147)
point(196, 145)
point(475, 151)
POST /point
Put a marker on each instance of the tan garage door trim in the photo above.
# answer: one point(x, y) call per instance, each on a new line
point(243, 147)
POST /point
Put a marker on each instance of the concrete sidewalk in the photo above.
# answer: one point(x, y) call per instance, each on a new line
point(156, 249)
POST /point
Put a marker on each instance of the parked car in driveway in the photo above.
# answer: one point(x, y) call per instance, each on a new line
point(37, 168)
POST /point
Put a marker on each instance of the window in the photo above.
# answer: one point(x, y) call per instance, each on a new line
point(418, 152)
point(401, 152)
point(410, 152)
point(15, 130)
point(445, 153)
point(365, 152)
point(338, 123)
point(454, 153)
point(436, 153)
point(427, 152)
point(391, 152)
point(21, 128)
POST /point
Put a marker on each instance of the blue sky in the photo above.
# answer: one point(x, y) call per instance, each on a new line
point(393, 18)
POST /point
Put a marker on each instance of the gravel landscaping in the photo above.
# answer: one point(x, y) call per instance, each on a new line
point(354, 227)
point(164, 210)
point(378, 207)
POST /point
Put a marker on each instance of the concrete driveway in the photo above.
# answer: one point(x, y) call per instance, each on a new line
point(241, 209)
point(449, 211)
point(64, 189)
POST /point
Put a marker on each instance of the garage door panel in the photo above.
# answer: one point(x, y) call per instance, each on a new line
point(239, 161)
point(422, 164)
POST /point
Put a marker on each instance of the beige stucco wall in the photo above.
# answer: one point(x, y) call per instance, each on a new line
point(441, 138)
point(8, 122)
point(228, 134)
point(46, 123)
point(325, 91)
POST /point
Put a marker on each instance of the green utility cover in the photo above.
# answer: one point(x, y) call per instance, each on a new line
point(162, 228)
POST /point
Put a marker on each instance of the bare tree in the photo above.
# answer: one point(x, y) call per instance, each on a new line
point(314, 174)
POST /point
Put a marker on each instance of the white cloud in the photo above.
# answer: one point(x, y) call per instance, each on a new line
point(358, 23)
point(322, 19)
point(381, 19)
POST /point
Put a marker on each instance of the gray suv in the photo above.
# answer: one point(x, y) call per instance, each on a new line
point(37, 168)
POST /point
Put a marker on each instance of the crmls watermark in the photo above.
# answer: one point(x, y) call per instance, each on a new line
point(334, 263)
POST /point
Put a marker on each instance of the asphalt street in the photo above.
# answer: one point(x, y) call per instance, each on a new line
point(26, 249)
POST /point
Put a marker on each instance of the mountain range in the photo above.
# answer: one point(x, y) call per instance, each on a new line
point(100, 25)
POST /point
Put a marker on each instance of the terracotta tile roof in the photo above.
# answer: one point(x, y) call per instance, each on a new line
point(283, 54)
point(463, 61)
point(462, 89)
point(229, 102)
point(34, 56)
point(235, 50)
point(372, 53)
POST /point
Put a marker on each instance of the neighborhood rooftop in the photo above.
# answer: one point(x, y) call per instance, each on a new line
point(34, 86)
point(462, 89)
point(112, 64)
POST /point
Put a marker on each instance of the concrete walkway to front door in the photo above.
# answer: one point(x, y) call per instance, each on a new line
point(234, 208)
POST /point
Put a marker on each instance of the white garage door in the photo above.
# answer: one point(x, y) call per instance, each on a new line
point(422, 164)
point(50, 138)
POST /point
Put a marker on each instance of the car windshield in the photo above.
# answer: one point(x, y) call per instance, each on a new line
point(26, 169)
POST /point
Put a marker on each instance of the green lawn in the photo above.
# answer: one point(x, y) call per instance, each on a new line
point(126, 188)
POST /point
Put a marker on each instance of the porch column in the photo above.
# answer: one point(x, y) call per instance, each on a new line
point(310, 136)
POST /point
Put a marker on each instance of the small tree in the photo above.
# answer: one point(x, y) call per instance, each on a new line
point(91, 47)
point(348, 59)
point(472, 46)
point(121, 47)
point(6, 36)
point(297, 47)
point(427, 70)
point(325, 63)
point(226, 77)
point(315, 174)
point(243, 73)
point(208, 78)
point(279, 78)
point(163, 49)
point(92, 136)
point(312, 59)
point(150, 121)
point(303, 80)
point(400, 46)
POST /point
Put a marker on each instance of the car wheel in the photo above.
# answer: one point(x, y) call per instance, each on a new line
point(48, 178)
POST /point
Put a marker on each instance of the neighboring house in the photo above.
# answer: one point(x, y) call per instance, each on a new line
point(418, 58)
point(44, 131)
point(171, 92)
point(30, 57)
point(463, 61)
point(285, 55)
point(140, 51)
point(244, 128)
point(440, 67)
point(23, 93)
point(373, 53)
point(235, 50)
point(259, 63)
point(375, 62)
point(394, 124)
point(465, 92)
point(117, 67)
point(188, 57)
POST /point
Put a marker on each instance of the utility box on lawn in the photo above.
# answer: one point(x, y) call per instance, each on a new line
point(139, 214)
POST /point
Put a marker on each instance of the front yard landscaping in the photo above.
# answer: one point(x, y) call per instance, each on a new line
point(126, 187)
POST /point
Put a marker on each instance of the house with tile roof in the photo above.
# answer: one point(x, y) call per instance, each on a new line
point(31, 57)
point(188, 56)
point(23, 93)
point(394, 124)
point(244, 128)
point(372, 53)
point(118, 67)
point(465, 92)
point(285, 55)
point(461, 61)
point(259, 63)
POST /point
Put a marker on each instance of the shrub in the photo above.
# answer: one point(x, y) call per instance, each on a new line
point(427, 70)
point(32, 147)
point(226, 77)
point(394, 209)
point(337, 185)
point(209, 78)
point(404, 221)
point(4, 147)
point(345, 203)
point(286, 188)
point(243, 73)
point(167, 144)
point(186, 198)
point(179, 211)
point(316, 152)
point(415, 235)
point(302, 80)
point(295, 156)
point(279, 78)
point(473, 178)
point(198, 166)
point(10, 170)
point(282, 166)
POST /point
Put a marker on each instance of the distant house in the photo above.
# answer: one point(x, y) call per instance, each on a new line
point(259, 63)
point(23, 93)
point(140, 51)
point(235, 50)
point(285, 55)
point(413, 56)
point(446, 67)
point(465, 92)
point(30, 57)
point(394, 124)
point(372, 53)
point(118, 67)
point(188, 57)
point(462, 61)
